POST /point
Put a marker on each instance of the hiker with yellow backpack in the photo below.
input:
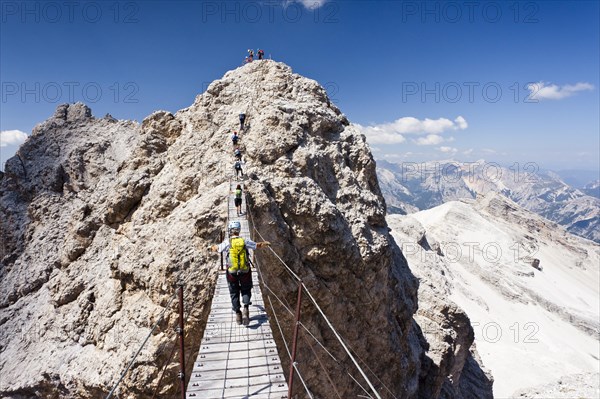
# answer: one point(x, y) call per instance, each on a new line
point(239, 274)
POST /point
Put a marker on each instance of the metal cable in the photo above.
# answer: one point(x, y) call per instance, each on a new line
point(165, 368)
point(341, 342)
point(287, 349)
point(324, 316)
point(282, 336)
point(321, 364)
point(286, 307)
point(367, 366)
point(290, 271)
point(319, 342)
point(326, 319)
point(162, 314)
point(295, 365)
point(277, 256)
point(363, 388)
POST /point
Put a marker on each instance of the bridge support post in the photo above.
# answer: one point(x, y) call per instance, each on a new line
point(180, 331)
point(221, 238)
point(295, 340)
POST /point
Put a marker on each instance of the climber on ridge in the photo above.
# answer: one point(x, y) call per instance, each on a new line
point(242, 120)
point(238, 199)
point(235, 138)
point(261, 54)
point(238, 273)
point(237, 153)
point(238, 169)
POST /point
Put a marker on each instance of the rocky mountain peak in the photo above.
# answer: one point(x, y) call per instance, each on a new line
point(73, 112)
point(101, 218)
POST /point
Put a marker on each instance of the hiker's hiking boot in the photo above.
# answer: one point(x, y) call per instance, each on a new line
point(246, 317)
point(238, 317)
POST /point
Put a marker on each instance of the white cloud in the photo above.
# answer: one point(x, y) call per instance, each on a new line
point(448, 149)
point(378, 135)
point(468, 152)
point(545, 91)
point(461, 123)
point(488, 150)
point(430, 139)
point(392, 133)
point(12, 137)
point(309, 4)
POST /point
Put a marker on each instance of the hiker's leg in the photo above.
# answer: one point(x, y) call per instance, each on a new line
point(246, 288)
point(234, 293)
point(246, 296)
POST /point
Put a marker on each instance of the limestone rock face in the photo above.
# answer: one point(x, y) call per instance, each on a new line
point(451, 367)
point(101, 218)
point(93, 242)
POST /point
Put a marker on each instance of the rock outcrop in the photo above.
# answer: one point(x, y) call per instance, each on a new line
point(91, 251)
point(102, 218)
point(451, 367)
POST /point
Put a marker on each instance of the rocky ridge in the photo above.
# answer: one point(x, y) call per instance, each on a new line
point(529, 287)
point(101, 218)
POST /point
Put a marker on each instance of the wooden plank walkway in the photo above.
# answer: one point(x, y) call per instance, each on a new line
point(236, 361)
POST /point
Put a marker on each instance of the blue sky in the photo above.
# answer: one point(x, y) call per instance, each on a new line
point(502, 81)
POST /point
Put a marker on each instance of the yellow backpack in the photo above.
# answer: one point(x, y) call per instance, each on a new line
point(238, 255)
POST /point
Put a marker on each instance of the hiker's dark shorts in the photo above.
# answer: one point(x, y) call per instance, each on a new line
point(238, 202)
point(244, 280)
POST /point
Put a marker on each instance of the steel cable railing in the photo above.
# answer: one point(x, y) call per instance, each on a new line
point(320, 311)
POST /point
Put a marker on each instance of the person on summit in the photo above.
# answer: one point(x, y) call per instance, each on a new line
point(250, 55)
point(238, 199)
point(261, 54)
point(242, 120)
point(238, 273)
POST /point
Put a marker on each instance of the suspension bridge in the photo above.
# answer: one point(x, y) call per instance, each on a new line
point(238, 361)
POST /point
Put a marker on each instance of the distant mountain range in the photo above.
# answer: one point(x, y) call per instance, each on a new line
point(578, 178)
point(410, 187)
point(592, 189)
